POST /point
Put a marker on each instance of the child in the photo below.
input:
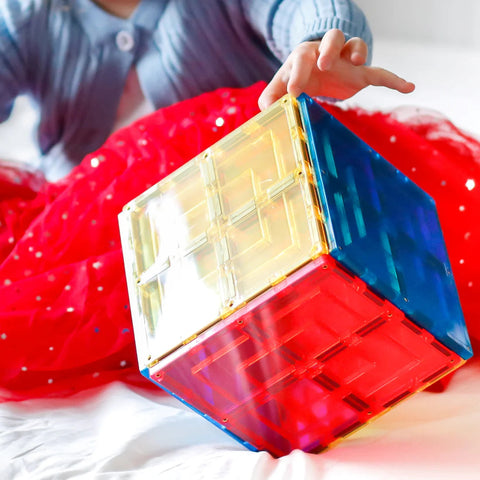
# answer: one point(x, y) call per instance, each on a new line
point(92, 67)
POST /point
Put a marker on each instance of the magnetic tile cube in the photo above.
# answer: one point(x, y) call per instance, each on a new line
point(289, 284)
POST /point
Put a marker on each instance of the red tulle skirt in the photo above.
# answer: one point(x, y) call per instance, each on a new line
point(65, 321)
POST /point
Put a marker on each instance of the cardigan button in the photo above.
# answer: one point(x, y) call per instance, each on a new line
point(124, 41)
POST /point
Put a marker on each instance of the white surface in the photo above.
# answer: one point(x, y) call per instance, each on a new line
point(433, 43)
point(17, 134)
point(121, 434)
point(432, 21)
point(446, 79)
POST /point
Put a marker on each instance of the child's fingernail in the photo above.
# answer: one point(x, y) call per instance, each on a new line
point(357, 58)
point(324, 63)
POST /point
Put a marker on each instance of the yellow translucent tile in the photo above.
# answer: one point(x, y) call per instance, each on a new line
point(168, 217)
point(270, 243)
point(256, 165)
point(217, 232)
point(165, 298)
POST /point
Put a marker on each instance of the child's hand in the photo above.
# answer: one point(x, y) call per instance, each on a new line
point(329, 67)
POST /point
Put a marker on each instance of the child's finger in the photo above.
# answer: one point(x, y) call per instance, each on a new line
point(330, 48)
point(275, 89)
point(380, 77)
point(356, 51)
point(302, 65)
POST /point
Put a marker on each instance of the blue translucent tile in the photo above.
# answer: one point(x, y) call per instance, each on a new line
point(384, 228)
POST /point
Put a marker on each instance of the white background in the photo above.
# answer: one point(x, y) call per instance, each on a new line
point(453, 22)
point(436, 45)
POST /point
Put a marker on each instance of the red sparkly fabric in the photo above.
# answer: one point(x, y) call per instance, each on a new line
point(65, 321)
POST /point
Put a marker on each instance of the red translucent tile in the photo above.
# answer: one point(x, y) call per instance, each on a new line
point(306, 362)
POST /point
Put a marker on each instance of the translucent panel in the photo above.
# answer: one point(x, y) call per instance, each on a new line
point(187, 295)
point(167, 219)
point(150, 296)
point(257, 164)
point(217, 232)
point(305, 363)
point(384, 228)
point(271, 242)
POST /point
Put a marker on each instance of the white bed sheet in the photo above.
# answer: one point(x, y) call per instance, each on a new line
point(117, 432)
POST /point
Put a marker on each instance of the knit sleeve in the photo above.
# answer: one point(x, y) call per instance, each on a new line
point(14, 24)
point(286, 23)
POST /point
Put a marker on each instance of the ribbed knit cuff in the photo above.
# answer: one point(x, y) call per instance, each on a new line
point(292, 25)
